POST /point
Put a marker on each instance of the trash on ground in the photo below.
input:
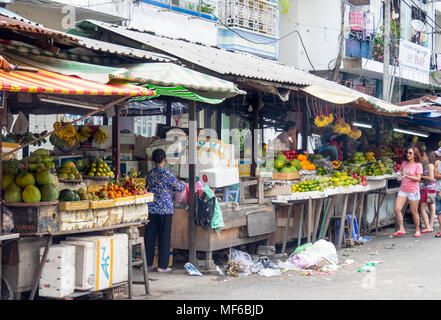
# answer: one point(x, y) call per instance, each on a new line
point(302, 247)
point(192, 270)
point(374, 253)
point(369, 267)
point(317, 255)
point(268, 272)
point(348, 262)
point(390, 246)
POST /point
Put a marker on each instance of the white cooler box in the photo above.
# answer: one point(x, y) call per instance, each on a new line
point(103, 248)
point(220, 177)
point(58, 275)
point(84, 264)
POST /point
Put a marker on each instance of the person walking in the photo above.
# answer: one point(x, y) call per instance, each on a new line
point(162, 184)
point(437, 176)
point(411, 171)
point(428, 193)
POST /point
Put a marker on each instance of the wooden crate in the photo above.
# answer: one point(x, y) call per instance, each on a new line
point(34, 217)
point(286, 175)
point(102, 204)
point(74, 205)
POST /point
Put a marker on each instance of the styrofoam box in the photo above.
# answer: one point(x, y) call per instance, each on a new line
point(84, 264)
point(104, 255)
point(58, 276)
point(121, 258)
point(60, 260)
point(220, 177)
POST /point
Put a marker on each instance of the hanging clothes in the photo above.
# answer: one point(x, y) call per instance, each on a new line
point(369, 25)
point(356, 20)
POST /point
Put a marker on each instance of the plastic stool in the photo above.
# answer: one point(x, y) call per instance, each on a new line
point(233, 191)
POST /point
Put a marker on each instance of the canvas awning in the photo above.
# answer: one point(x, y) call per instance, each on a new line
point(178, 78)
point(361, 100)
point(49, 82)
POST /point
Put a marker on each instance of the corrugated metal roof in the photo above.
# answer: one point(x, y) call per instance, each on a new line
point(228, 62)
point(222, 61)
point(96, 45)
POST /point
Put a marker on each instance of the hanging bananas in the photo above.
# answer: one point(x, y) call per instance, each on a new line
point(100, 136)
point(84, 134)
point(342, 127)
point(355, 134)
point(67, 134)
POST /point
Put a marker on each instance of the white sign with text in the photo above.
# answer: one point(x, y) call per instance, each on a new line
point(414, 57)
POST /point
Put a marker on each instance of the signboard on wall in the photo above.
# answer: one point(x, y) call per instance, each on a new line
point(414, 57)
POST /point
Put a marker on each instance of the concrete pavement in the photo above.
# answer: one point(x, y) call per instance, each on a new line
point(410, 270)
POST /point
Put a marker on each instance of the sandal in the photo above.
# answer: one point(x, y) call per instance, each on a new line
point(417, 235)
point(398, 234)
point(427, 231)
point(438, 235)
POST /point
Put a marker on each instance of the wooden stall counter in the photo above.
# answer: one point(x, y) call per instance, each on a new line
point(242, 225)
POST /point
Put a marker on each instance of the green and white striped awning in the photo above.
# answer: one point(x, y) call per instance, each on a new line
point(174, 76)
point(177, 92)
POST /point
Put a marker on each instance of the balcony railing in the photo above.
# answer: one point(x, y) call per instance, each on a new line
point(358, 49)
point(205, 9)
point(255, 15)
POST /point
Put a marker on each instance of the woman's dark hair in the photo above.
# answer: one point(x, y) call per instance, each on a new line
point(432, 157)
point(416, 153)
point(158, 156)
point(289, 125)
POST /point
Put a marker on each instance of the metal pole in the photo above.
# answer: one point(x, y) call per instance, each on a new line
point(116, 147)
point(386, 54)
point(192, 144)
point(168, 113)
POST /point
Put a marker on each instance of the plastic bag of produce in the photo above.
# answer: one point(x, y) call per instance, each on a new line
point(8, 220)
point(182, 197)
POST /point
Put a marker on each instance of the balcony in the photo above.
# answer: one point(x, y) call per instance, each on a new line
point(206, 9)
point(358, 49)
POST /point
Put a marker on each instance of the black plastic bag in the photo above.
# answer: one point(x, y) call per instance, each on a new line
point(204, 210)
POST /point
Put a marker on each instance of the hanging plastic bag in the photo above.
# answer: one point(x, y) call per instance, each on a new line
point(182, 197)
point(8, 220)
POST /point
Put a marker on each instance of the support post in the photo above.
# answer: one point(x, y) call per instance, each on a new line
point(192, 139)
point(386, 54)
point(26, 149)
point(256, 104)
point(168, 113)
point(116, 147)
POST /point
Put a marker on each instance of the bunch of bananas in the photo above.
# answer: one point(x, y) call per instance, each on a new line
point(415, 139)
point(67, 134)
point(342, 127)
point(100, 136)
point(83, 134)
point(323, 121)
point(355, 134)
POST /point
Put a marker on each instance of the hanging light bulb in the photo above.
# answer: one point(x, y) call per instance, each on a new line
point(250, 108)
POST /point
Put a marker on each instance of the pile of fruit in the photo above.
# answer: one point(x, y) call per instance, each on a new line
point(40, 158)
point(26, 186)
point(114, 191)
point(281, 164)
point(337, 164)
point(383, 166)
point(338, 179)
point(305, 164)
point(99, 169)
point(290, 154)
point(69, 171)
point(357, 158)
point(133, 184)
point(25, 138)
point(369, 156)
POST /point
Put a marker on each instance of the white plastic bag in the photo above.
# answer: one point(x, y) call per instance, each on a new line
point(8, 220)
point(313, 255)
point(324, 249)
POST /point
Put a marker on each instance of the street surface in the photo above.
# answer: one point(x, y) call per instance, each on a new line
point(410, 270)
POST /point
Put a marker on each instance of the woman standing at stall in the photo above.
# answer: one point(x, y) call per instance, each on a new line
point(161, 183)
point(411, 171)
point(428, 192)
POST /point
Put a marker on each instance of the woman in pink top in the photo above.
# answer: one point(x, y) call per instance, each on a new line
point(411, 171)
